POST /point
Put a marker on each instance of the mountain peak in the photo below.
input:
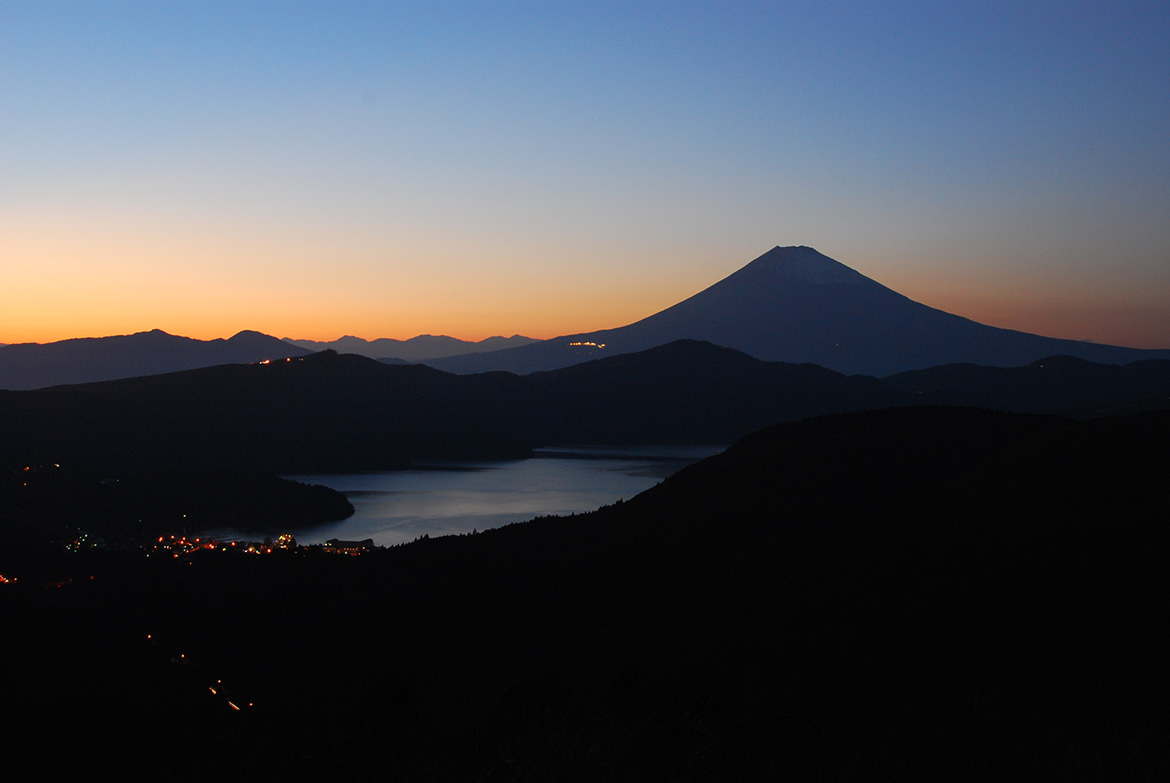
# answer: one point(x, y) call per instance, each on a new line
point(793, 304)
point(805, 264)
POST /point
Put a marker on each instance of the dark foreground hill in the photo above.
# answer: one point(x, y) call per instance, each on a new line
point(60, 504)
point(1055, 384)
point(919, 594)
point(793, 304)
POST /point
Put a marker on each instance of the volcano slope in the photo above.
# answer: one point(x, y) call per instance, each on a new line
point(794, 304)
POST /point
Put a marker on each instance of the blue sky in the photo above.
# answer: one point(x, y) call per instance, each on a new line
point(390, 169)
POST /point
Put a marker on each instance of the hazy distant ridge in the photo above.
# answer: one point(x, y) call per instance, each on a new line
point(89, 359)
point(425, 346)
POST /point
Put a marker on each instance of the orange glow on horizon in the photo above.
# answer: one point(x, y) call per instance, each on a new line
point(1123, 323)
point(212, 279)
point(1127, 324)
point(106, 277)
point(472, 171)
point(45, 328)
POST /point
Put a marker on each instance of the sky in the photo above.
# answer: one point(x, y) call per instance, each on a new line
point(389, 169)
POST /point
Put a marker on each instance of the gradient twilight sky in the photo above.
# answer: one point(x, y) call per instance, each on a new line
point(389, 169)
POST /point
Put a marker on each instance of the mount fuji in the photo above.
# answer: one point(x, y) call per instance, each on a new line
point(793, 304)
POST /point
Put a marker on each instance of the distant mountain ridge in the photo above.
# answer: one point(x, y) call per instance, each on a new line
point(420, 348)
point(793, 304)
point(90, 359)
point(25, 366)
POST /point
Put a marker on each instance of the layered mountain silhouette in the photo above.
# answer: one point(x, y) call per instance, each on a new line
point(88, 359)
point(793, 304)
point(425, 346)
point(340, 413)
point(329, 412)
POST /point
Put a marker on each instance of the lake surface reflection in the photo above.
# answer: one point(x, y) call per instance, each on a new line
point(452, 498)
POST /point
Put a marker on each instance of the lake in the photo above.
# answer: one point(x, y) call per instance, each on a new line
point(453, 498)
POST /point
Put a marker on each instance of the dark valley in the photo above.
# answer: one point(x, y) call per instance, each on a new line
point(921, 592)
